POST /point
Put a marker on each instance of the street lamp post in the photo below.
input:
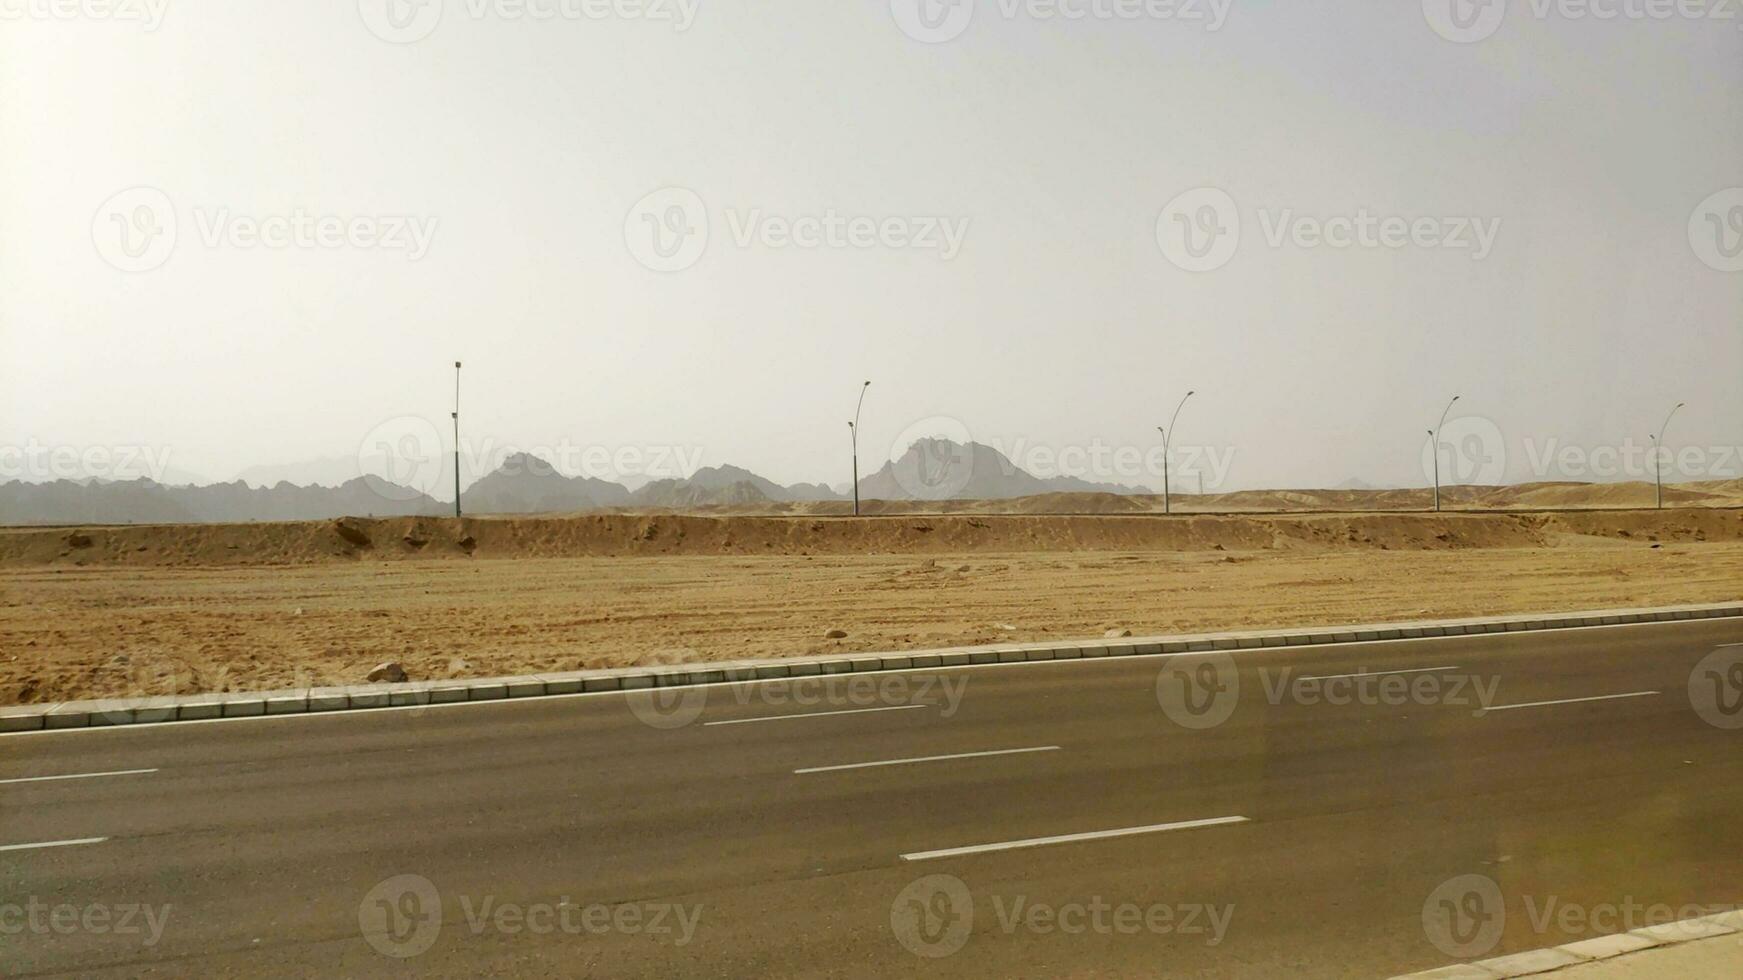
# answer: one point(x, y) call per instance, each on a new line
point(1658, 459)
point(456, 439)
point(853, 431)
point(1434, 450)
point(1167, 434)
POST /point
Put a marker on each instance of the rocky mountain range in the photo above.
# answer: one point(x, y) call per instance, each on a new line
point(931, 469)
point(938, 469)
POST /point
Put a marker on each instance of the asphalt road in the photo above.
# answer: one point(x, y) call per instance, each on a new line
point(1263, 830)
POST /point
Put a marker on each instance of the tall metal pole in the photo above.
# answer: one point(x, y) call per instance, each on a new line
point(1658, 459)
point(456, 439)
point(853, 430)
point(1434, 450)
point(1167, 503)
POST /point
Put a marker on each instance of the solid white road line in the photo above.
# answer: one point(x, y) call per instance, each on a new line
point(78, 775)
point(1374, 673)
point(814, 714)
point(1601, 697)
point(1069, 838)
point(52, 843)
point(928, 758)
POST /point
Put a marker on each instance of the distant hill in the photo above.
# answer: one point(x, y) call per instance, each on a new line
point(728, 485)
point(947, 476)
point(683, 494)
point(939, 469)
point(527, 484)
point(145, 501)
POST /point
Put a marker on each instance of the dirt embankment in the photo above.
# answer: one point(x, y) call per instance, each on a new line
point(614, 535)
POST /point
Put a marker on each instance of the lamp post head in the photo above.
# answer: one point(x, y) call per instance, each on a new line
point(456, 365)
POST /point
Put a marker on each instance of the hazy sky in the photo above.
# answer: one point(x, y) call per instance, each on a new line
point(1033, 192)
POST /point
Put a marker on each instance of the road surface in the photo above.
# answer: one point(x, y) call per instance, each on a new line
point(1179, 816)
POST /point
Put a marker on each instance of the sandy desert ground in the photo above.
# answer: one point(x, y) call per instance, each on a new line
point(141, 610)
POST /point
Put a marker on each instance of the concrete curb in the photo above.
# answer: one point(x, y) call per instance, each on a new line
point(1556, 958)
point(97, 714)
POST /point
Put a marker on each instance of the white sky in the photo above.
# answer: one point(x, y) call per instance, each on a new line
point(1060, 323)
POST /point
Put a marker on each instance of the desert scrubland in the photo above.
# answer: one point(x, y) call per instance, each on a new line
point(137, 610)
